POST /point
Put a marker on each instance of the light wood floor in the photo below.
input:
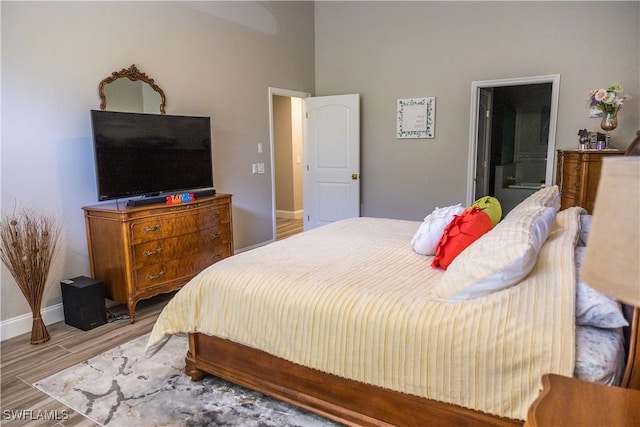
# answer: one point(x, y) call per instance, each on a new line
point(288, 227)
point(22, 364)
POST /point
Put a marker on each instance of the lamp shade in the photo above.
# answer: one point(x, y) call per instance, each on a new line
point(612, 259)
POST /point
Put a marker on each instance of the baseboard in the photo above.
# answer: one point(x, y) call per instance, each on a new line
point(22, 324)
point(290, 214)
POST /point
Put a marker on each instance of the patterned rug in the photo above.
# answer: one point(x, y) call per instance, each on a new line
point(123, 388)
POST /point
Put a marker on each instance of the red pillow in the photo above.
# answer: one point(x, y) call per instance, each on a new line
point(462, 231)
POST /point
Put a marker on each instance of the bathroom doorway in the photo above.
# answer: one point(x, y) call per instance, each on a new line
point(513, 139)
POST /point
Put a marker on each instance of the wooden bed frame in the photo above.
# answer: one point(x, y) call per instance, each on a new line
point(346, 401)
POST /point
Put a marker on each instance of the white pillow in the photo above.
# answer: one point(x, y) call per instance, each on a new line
point(428, 235)
point(499, 259)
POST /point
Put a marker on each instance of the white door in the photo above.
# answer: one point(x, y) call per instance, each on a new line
point(332, 157)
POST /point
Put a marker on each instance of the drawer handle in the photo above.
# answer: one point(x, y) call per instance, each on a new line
point(151, 229)
point(154, 252)
point(151, 277)
point(214, 214)
point(216, 236)
point(218, 256)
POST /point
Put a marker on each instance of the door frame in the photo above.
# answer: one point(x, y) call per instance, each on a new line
point(554, 79)
point(291, 94)
point(484, 142)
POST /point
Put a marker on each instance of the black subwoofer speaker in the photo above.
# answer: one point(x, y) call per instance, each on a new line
point(83, 302)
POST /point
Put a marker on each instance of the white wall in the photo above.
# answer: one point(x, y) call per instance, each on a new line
point(214, 59)
point(391, 50)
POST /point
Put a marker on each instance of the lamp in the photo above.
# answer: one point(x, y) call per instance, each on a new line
point(612, 259)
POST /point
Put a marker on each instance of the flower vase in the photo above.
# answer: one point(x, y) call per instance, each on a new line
point(608, 123)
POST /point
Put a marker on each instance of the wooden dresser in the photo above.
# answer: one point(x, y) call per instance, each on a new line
point(140, 252)
point(578, 175)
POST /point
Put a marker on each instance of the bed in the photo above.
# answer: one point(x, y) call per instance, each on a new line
point(349, 322)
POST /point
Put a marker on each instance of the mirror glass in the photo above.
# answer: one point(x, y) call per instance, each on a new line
point(133, 97)
point(130, 90)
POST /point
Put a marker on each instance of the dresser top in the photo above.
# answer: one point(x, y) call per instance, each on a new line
point(605, 151)
point(122, 206)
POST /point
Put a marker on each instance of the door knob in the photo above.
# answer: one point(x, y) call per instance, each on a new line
point(354, 176)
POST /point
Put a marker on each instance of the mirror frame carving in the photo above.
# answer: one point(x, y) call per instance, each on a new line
point(133, 74)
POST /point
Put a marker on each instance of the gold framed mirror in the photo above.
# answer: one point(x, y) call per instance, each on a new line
point(131, 90)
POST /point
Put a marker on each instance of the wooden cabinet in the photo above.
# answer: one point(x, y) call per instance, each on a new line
point(578, 175)
point(140, 252)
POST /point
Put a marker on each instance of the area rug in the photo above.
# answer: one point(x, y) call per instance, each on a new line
point(122, 387)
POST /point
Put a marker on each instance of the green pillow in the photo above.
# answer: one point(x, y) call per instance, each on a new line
point(490, 206)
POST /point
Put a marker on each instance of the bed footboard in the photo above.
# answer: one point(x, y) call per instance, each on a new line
point(345, 401)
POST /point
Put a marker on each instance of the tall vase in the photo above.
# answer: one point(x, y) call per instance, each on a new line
point(608, 123)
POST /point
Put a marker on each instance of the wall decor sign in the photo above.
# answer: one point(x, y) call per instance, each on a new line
point(416, 118)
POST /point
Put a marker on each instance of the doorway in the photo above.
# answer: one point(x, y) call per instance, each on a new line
point(329, 130)
point(286, 139)
point(512, 138)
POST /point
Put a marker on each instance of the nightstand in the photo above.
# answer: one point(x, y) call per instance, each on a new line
point(566, 401)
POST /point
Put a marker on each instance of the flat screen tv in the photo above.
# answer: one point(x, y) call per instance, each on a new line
point(150, 154)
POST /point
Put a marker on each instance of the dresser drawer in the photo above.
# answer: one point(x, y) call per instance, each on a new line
point(163, 227)
point(179, 270)
point(179, 246)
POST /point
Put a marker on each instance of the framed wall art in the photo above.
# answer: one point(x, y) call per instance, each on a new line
point(416, 118)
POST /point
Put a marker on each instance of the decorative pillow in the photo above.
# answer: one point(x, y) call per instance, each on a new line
point(428, 235)
point(594, 308)
point(491, 206)
point(500, 259)
point(462, 231)
point(545, 197)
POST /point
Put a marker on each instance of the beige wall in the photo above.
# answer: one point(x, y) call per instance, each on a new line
point(283, 153)
point(288, 173)
point(391, 50)
point(215, 59)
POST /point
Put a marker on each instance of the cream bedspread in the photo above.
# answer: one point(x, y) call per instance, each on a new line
point(352, 298)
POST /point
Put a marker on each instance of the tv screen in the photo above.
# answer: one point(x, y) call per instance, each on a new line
point(149, 154)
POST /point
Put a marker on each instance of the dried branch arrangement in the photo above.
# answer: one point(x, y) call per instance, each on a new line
point(28, 242)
